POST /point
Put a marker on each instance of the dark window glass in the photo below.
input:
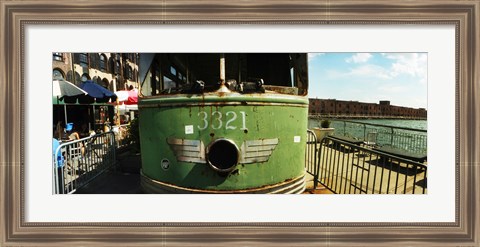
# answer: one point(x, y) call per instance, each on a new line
point(129, 73)
point(85, 77)
point(168, 83)
point(93, 62)
point(83, 57)
point(96, 61)
point(57, 74)
point(103, 63)
point(57, 56)
point(117, 67)
point(111, 65)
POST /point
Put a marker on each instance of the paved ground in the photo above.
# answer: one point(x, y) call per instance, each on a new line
point(124, 179)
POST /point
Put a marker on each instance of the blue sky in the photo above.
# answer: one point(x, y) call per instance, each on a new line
point(369, 77)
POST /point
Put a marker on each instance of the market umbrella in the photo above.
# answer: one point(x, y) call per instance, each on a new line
point(132, 98)
point(126, 100)
point(96, 93)
point(67, 91)
point(122, 95)
point(62, 88)
point(127, 97)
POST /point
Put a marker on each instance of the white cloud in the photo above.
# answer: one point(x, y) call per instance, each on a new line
point(370, 70)
point(413, 64)
point(313, 55)
point(364, 71)
point(359, 58)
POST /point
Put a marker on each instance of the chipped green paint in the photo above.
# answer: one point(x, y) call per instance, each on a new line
point(176, 130)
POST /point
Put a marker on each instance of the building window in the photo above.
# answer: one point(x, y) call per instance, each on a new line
point(58, 74)
point(85, 77)
point(111, 65)
point(94, 60)
point(173, 71)
point(103, 63)
point(129, 72)
point(57, 56)
point(105, 83)
point(117, 67)
point(83, 58)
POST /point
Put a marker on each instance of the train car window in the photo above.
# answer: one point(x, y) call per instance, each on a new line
point(173, 71)
point(168, 83)
point(193, 73)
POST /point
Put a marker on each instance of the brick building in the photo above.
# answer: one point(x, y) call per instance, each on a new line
point(340, 108)
point(115, 71)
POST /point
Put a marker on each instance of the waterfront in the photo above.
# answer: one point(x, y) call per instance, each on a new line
point(225, 147)
point(410, 135)
point(404, 123)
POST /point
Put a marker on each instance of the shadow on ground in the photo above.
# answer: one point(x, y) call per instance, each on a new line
point(124, 178)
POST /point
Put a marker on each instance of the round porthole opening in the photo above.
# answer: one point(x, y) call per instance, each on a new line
point(222, 155)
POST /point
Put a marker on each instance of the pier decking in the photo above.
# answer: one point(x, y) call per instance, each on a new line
point(346, 168)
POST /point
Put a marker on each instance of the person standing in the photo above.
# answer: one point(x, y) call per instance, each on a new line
point(59, 163)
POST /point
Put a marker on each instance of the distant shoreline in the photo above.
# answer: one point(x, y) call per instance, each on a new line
point(362, 117)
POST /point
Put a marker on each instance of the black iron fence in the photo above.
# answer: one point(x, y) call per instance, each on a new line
point(413, 140)
point(78, 162)
point(347, 168)
point(311, 152)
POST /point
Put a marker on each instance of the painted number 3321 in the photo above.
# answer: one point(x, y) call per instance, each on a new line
point(218, 120)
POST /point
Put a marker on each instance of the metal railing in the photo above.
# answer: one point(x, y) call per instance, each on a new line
point(413, 140)
point(81, 161)
point(346, 168)
point(311, 152)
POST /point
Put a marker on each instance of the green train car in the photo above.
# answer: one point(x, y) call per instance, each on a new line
point(223, 123)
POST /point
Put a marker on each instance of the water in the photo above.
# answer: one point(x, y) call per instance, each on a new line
point(415, 141)
point(414, 124)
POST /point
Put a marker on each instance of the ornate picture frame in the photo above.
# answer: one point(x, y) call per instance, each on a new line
point(16, 15)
